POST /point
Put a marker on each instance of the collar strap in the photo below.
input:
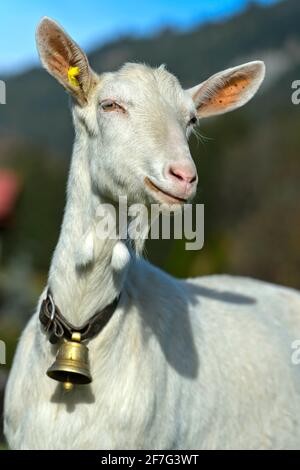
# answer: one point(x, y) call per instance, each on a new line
point(58, 327)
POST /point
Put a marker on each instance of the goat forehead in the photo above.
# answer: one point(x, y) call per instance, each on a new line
point(138, 82)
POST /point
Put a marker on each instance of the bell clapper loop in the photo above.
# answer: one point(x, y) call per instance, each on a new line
point(76, 336)
point(71, 366)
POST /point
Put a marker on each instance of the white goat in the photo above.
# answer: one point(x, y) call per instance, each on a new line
point(203, 363)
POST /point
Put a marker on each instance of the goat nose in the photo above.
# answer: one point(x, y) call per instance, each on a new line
point(183, 173)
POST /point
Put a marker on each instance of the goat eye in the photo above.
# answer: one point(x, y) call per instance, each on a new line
point(110, 105)
point(192, 121)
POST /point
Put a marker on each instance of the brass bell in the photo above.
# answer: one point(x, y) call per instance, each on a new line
point(71, 364)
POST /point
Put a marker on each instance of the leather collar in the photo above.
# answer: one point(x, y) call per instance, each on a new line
point(58, 327)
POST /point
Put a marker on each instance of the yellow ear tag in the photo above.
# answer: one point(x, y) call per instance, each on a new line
point(73, 72)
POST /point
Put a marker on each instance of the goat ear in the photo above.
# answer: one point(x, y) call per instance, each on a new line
point(228, 90)
point(64, 59)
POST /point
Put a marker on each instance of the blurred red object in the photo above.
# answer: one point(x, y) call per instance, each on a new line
point(9, 190)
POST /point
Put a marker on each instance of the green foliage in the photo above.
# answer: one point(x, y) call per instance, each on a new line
point(35, 227)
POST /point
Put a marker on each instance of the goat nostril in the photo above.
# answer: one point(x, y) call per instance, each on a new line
point(176, 174)
point(183, 175)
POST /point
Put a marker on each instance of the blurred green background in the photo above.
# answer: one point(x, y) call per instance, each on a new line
point(248, 161)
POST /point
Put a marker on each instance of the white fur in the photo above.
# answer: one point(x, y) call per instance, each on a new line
point(202, 363)
point(84, 254)
point(120, 256)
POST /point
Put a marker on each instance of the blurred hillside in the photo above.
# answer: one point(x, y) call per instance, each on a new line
point(248, 164)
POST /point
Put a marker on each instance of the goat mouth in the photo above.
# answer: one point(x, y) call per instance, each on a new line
point(170, 198)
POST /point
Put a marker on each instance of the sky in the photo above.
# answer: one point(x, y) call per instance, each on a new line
point(93, 22)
